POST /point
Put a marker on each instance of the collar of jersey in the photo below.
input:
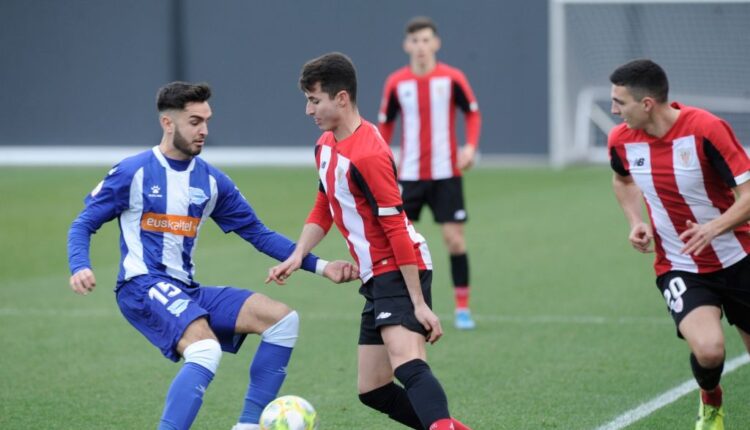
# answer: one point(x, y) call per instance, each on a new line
point(163, 161)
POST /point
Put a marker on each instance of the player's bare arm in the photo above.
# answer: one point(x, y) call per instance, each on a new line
point(83, 281)
point(630, 198)
point(424, 314)
point(698, 236)
point(337, 271)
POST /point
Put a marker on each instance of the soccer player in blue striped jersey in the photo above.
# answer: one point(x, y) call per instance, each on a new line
point(161, 198)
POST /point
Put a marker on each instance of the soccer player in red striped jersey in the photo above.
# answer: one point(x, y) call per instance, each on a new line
point(427, 93)
point(695, 178)
point(358, 192)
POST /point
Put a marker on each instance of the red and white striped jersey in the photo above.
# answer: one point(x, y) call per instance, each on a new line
point(686, 175)
point(358, 191)
point(428, 106)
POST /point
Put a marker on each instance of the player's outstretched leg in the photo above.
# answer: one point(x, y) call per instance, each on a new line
point(185, 395)
point(268, 369)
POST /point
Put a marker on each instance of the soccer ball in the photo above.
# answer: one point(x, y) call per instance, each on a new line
point(289, 413)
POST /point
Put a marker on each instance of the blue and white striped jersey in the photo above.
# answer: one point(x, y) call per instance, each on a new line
point(161, 205)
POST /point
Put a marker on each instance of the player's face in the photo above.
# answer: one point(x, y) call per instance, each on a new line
point(422, 45)
point(633, 112)
point(324, 109)
point(191, 129)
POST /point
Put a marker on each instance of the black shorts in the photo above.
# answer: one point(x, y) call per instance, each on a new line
point(388, 303)
point(727, 289)
point(445, 197)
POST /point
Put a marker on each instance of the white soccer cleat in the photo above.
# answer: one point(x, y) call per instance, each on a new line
point(246, 426)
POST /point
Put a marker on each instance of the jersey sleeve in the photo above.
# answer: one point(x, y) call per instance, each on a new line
point(726, 155)
point(617, 158)
point(376, 177)
point(233, 213)
point(467, 102)
point(320, 213)
point(105, 202)
point(389, 109)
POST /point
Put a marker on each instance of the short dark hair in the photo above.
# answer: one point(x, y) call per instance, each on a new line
point(419, 23)
point(643, 78)
point(335, 72)
point(175, 95)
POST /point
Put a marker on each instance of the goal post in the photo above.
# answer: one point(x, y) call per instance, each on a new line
point(704, 46)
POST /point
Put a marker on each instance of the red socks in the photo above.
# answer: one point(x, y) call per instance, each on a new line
point(712, 398)
point(462, 297)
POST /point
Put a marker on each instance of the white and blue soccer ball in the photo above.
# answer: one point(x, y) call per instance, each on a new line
point(289, 413)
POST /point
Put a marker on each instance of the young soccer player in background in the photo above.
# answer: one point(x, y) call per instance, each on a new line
point(427, 93)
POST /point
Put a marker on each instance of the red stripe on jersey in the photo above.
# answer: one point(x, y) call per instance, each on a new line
point(425, 129)
point(679, 212)
point(661, 262)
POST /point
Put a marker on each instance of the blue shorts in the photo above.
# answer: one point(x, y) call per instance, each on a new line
point(162, 308)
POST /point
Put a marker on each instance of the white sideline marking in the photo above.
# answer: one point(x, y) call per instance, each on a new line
point(646, 409)
point(532, 319)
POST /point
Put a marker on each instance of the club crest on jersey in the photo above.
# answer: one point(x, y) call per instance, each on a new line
point(686, 157)
point(197, 196)
point(155, 191)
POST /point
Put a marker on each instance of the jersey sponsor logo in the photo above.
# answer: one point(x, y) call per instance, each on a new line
point(175, 224)
point(197, 196)
point(383, 315)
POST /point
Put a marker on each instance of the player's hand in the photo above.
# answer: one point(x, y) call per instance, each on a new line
point(466, 157)
point(697, 237)
point(83, 281)
point(640, 237)
point(429, 321)
point(340, 271)
point(281, 272)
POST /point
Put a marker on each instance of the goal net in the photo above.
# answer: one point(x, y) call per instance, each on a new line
point(704, 46)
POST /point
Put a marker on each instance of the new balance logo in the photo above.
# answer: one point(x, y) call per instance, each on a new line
point(383, 315)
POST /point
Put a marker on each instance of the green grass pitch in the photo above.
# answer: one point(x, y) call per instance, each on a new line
point(571, 329)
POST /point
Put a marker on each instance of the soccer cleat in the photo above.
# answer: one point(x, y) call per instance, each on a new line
point(710, 417)
point(246, 426)
point(458, 425)
point(463, 320)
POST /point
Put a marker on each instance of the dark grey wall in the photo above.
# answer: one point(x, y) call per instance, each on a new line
point(85, 72)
